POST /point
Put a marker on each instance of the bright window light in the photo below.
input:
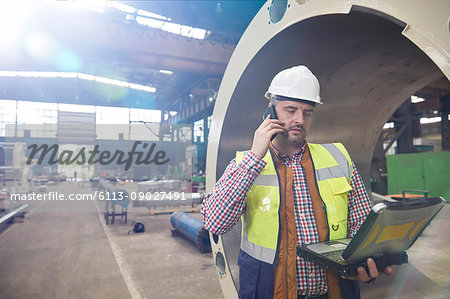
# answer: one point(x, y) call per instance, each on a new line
point(166, 72)
point(36, 112)
point(198, 130)
point(28, 74)
point(79, 76)
point(76, 108)
point(86, 77)
point(7, 111)
point(145, 13)
point(171, 113)
point(429, 120)
point(415, 99)
point(122, 7)
point(112, 115)
point(7, 118)
point(146, 18)
point(146, 115)
point(158, 24)
point(171, 27)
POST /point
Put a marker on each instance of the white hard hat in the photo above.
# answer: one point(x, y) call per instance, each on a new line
point(297, 83)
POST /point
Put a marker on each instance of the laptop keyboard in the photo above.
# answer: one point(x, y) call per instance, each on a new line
point(334, 255)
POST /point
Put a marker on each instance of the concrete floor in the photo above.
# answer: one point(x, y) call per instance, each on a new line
point(65, 250)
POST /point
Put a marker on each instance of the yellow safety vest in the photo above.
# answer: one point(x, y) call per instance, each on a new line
point(260, 222)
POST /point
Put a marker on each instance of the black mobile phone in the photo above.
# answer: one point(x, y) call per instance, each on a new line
point(270, 110)
point(273, 115)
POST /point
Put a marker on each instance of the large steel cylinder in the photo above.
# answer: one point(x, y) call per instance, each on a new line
point(191, 228)
point(369, 56)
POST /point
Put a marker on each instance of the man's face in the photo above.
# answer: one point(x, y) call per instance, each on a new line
point(297, 118)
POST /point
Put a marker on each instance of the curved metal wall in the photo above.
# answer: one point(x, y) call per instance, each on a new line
point(369, 57)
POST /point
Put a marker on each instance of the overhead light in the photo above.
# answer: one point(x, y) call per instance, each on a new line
point(79, 76)
point(145, 13)
point(429, 120)
point(174, 28)
point(27, 74)
point(122, 7)
point(416, 99)
point(166, 72)
point(95, 5)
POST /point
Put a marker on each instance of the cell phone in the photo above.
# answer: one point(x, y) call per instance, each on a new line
point(270, 110)
point(273, 115)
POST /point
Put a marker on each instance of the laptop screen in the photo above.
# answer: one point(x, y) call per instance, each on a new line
point(392, 227)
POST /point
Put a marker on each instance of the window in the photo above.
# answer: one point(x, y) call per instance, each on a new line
point(198, 131)
point(39, 119)
point(112, 121)
point(7, 118)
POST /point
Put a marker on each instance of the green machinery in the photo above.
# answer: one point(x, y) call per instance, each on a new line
point(425, 171)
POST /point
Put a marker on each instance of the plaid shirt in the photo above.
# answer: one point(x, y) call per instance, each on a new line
point(224, 205)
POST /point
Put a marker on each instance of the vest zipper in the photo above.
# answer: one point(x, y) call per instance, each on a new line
point(287, 233)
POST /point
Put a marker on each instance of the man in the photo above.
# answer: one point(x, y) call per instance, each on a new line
point(289, 193)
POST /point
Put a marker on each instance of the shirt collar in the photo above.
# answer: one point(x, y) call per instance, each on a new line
point(299, 154)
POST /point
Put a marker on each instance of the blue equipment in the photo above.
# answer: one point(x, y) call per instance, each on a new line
point(193, 229)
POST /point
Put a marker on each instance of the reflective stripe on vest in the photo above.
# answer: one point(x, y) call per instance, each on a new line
point(260, 223)
point(333, 170)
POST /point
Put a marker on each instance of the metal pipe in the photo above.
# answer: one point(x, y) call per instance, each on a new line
point(369, 57)
point(10, 215)
point(5, 219)
point(191, 228)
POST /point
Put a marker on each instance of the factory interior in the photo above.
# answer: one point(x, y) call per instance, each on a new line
point(118, 117)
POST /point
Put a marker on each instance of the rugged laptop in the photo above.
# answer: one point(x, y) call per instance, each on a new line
point(388, 231)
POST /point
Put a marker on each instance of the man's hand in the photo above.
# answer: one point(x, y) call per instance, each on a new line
point(265, 131)
point(373, 272)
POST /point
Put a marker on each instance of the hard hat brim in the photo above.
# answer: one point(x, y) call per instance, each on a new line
point(268, 96)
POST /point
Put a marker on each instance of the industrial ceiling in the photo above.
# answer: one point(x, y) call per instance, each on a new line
point(110, 43)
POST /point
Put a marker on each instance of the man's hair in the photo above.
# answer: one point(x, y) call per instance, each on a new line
point(274, 100)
